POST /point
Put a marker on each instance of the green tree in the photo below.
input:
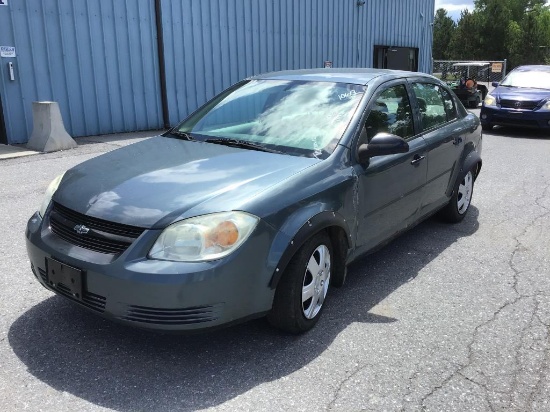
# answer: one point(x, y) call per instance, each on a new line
point(517, 30)
point(466, 42)
point(444, 27)
point(493, 17)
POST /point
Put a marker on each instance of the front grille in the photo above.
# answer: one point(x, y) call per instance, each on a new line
point(103, 236)
point(90, 300)
point(510, 121)
point(519, 104)
point(184, 316)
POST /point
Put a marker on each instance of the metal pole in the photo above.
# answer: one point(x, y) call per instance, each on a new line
point(3, 134)
point(162, 65)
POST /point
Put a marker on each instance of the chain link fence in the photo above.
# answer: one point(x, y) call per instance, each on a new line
point(486, 72)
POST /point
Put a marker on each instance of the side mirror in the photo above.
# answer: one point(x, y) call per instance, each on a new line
point(380, 145)
point(495, 84)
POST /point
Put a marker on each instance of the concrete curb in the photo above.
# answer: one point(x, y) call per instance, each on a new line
point(10, 152)
point(117, 140)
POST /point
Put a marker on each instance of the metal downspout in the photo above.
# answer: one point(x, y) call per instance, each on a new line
point(162, 65)
point(3, 133)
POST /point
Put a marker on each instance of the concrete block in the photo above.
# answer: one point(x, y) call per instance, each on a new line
point(49, 134)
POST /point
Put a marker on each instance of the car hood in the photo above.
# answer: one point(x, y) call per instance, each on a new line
point(520, 93)
point(158, 181)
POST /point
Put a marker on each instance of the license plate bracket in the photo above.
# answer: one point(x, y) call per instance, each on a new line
point(62, 276)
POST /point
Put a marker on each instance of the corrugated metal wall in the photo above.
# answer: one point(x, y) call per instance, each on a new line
point(212, 44)
point(99, 58)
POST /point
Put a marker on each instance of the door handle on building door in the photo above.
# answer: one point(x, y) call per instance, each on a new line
point(12, 73)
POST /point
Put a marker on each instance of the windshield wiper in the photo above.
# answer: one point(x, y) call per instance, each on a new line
point(181, 135)
point(244, 144)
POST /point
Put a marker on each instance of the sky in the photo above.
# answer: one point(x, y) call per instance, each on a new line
point(454, 7)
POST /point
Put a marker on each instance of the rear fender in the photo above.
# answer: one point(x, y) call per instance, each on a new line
point(472, 161)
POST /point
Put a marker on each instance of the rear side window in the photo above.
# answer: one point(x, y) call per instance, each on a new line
point(391, 113)
point(433, 109)
point(450, 107)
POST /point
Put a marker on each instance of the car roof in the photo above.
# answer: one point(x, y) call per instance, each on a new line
point(473, 64)
point(533, 68)
point(357, 76)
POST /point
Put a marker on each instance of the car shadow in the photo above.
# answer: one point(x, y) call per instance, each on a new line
point(518, 132)
point(126, 369)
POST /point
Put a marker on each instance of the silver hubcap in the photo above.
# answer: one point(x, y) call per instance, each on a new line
point(465, 193)
point(316, 282)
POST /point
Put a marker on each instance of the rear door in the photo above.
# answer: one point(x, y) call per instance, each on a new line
point(390, 188)
point(444, 134)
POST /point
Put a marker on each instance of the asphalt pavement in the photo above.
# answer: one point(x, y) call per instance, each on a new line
point(445, 318)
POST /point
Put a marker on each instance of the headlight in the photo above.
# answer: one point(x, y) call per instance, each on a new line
point(490, 100)
point(202, 238)
point(49, 193)
point(546, 105)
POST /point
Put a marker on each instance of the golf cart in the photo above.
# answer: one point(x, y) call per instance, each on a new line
point(465, 86)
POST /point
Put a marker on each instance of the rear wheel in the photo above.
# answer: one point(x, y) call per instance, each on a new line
point(460, 201)
point(302, 290)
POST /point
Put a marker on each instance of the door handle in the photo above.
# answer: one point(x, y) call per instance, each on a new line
point(10, 70)
point(457, 140)
point(417, 159)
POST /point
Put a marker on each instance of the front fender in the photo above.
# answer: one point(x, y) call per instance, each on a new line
point(300, 227)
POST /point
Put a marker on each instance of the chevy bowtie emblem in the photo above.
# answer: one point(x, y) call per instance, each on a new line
point(517, 105)
point(81, 229)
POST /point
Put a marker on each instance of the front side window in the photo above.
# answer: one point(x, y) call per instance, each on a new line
point(432, 107)
point(391, 113)
point(304, 118)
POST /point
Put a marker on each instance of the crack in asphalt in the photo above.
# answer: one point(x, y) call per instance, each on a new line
point(336, 395)
point(409, 391)
point(545, 364)
point(517, 351)
point(519, 247)
point(482, 386)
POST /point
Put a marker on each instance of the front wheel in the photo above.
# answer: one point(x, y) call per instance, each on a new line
point(302, 290)
point(460, 201)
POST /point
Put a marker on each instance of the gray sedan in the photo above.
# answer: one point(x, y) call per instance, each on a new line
point(256, 203)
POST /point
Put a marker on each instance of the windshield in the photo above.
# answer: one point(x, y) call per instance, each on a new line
point(532, 79)
point(294, 117)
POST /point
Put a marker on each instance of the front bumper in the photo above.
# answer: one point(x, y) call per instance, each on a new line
point(536, 119)
point(161, 295)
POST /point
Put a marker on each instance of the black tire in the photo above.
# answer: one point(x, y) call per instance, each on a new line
point(486, 127)
point(460, 201)
point(289, 311)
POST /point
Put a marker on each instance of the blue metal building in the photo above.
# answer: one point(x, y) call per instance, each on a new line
point(127, 65)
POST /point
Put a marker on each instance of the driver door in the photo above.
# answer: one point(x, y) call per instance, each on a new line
point(390, 188)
